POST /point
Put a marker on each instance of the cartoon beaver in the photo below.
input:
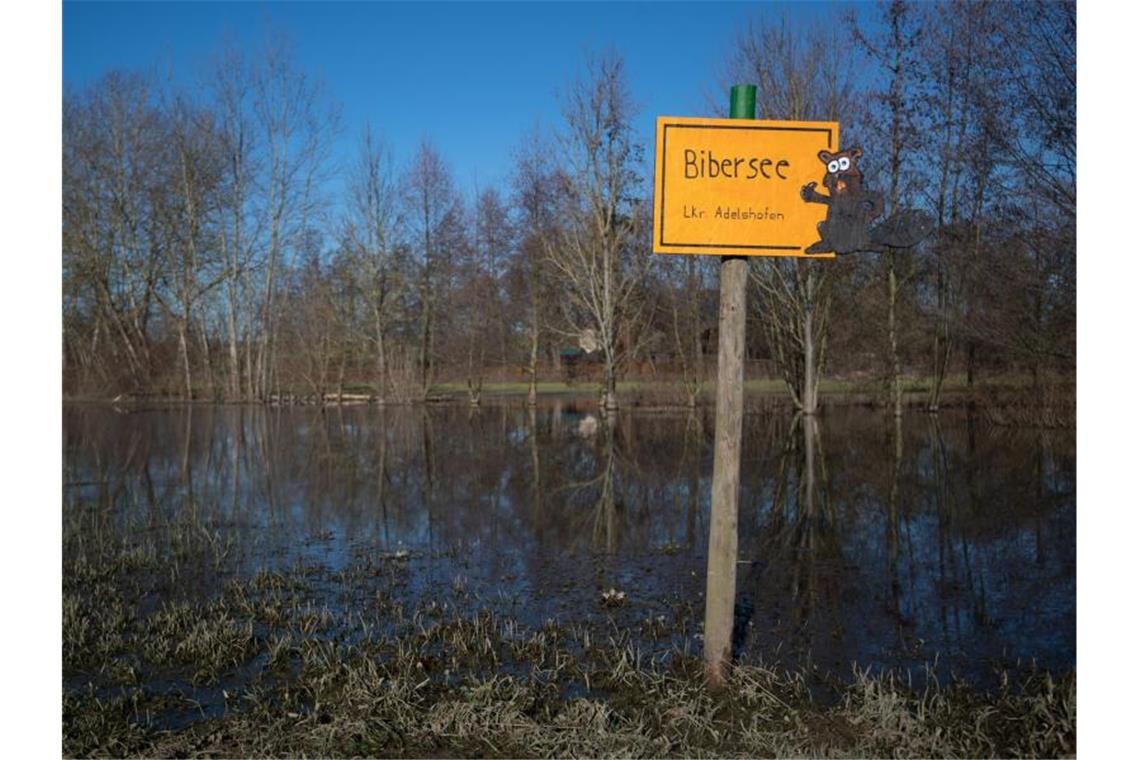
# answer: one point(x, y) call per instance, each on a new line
point(851, 208)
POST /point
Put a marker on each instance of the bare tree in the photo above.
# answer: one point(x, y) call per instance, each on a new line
point(686, 278)
point(370, 233)
point(296, 127)
point(481, 305)
point(946, 60)
point(895, 50)
point(592, 251)
point(1037, 135)
point(958, 56)
point(798, 79)
point(494, 242)
point(1042, 107)
point(429, 196)
point(463, 299)
point(112, 148)
point(187, 213)
point(535, 198)
point(312, 321)
point(229, 85)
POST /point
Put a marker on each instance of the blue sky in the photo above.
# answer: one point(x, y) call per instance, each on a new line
point(473, 77)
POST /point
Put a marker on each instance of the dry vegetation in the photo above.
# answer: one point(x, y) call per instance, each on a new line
point(259, 668)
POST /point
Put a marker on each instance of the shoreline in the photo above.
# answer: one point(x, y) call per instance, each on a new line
point(1006, 405)
point(841, 391)
point(258, 668)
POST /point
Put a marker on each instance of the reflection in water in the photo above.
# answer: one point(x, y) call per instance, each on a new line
point(893, 521)
point(861, 539)
point(798, 540)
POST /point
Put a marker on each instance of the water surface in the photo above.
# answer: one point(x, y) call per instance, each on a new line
point(940, 541)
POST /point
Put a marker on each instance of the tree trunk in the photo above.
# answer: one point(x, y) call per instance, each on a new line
point(231, 325)
point(381, 358)
point(892, 334)
point(970, 350)
point(249, 390)
point(609, 383)
point(263, 359)
point(208, 362)
point(184, 349)
point(532, 390)
point(340, 378)
point(425, 349)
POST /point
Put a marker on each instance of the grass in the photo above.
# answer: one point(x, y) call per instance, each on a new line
point(170, 651)
point(1008, 399)
point(522, 387)
point(828, 386)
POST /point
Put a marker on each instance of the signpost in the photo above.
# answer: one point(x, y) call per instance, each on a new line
point(732, 187)
point(741, 187)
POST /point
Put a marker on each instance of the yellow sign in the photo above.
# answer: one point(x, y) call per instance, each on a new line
point(731, 187)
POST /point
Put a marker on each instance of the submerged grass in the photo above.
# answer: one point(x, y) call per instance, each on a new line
point(258, 665)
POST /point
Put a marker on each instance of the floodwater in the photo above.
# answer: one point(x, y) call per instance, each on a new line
point(941, 541)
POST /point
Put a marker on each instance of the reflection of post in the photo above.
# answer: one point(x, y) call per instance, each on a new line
point(720, 589)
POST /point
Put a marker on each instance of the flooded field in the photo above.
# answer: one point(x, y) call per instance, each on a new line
point(504, 539)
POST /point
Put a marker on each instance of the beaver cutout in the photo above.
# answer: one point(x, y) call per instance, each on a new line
point(851, 208)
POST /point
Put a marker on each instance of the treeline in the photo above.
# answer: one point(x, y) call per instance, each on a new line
point(206, 257)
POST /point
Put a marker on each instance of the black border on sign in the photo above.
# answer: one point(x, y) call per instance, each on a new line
point(664, 145)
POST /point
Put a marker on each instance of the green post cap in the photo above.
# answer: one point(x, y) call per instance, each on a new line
point(743, 104)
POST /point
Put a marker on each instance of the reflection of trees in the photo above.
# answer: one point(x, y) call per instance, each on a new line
point(627, 484)
point(605, 510)
point(596, 493)
point(535, 468)
point(427, 480)
point(401, 474)
point(813, 532)
point(382, 477)
point(979, 486)
point(801, 532)
point(959, 581)
point(961, 534)
point(691, 460)
point(794, 550)
point(892, 531)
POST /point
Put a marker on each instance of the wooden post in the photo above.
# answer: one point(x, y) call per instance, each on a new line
point(720, 589)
